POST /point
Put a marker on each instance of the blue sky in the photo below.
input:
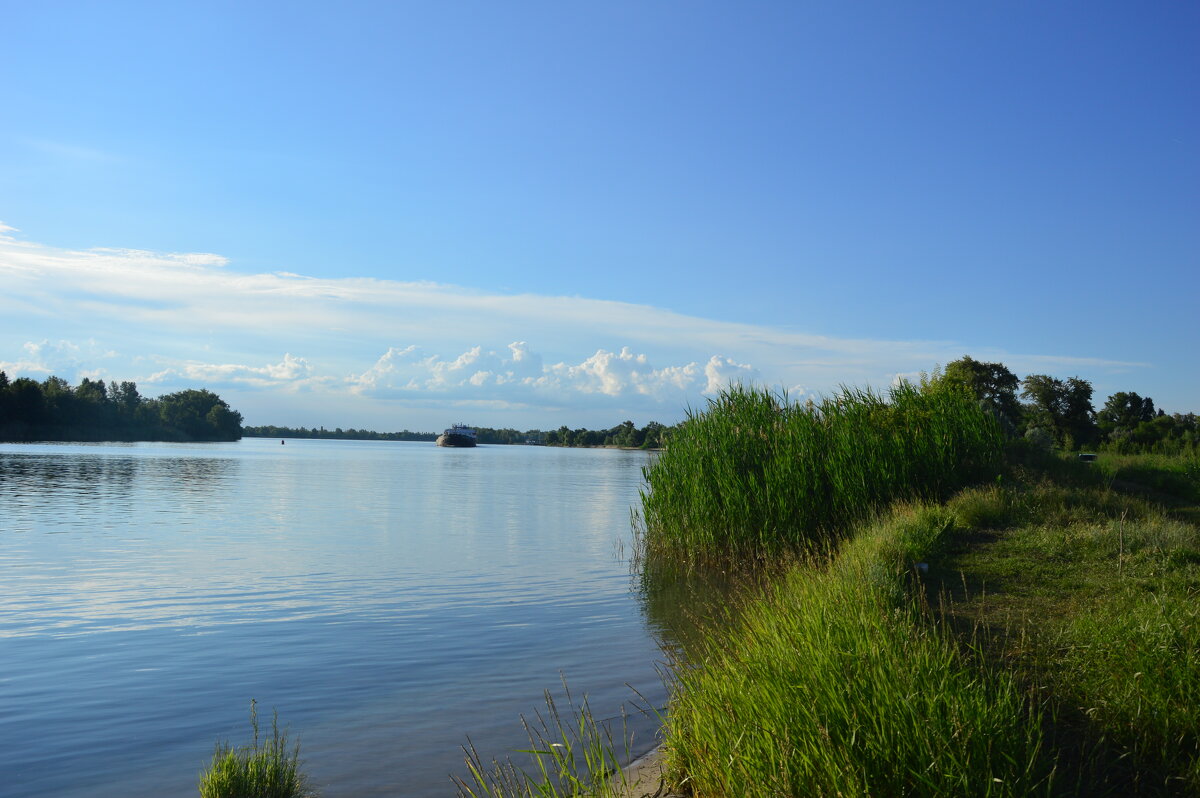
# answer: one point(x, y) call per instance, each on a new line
point(394, 215)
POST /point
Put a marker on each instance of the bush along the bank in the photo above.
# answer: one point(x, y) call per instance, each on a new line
point(755, 474)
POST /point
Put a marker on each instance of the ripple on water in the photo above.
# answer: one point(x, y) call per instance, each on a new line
point(388, 600)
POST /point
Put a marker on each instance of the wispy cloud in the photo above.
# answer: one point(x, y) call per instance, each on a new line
point(71, 151)
point(291, 373)
point(359, 346)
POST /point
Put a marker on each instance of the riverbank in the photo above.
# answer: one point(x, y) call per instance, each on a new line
point(645, 777)
point(1036, 636)
point(923, 607)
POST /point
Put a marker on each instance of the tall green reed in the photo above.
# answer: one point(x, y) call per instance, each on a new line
point(754, 473)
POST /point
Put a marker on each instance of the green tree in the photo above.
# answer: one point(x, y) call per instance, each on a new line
point(27, 402)
point(126, 401)
point(92, 410)
point(1062, 408)
point(653, 435)
point(225, 422)
point(625, 434)
point(992, 383)
point(1123, 412)
point(200, 415)
point(5, 399)
point(59, 401)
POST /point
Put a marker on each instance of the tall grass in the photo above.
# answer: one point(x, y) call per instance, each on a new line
point(571, 754)
point(754, 474)
point(833, 684)
point(1091, 595)
point(1135, 671)
point(267, 769)
point(1175, 475)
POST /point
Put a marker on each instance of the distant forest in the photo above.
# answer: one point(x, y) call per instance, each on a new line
point(352, 434)
point(52, 410)
point(626, 434)
point(1053, 412)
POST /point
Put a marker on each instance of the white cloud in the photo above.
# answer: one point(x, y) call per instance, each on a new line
point(720, 372)
point(153, 259)
point(524, 362)
point(409, 372)
point(67, 359)
point(204, 323)
point(291, 373)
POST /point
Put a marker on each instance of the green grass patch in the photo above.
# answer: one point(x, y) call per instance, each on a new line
point(1174, 479)
point(264, 769)
point(1038, 634)
point(832, 682)
point(1088, 595)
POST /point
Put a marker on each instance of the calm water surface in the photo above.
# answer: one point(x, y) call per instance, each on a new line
point(388, 599)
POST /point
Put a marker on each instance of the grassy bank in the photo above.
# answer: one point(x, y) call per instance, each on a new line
point(1085, 587)
point(1035, 633)
point(833, 683)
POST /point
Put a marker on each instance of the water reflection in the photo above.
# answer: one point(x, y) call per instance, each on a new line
point(29, 479)
point(389, 599)
point(683, 604)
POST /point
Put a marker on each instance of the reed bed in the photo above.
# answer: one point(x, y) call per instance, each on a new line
point(755, 474)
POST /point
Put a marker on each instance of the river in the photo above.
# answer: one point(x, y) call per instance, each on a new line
point(388, 599)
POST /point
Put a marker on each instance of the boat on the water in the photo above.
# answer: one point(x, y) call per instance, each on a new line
point(459, 435)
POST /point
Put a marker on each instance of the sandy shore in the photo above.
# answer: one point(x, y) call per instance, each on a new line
point(644, 778)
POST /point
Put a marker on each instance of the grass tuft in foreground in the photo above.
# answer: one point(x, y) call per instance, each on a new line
point(268, 769)
point(570, 755)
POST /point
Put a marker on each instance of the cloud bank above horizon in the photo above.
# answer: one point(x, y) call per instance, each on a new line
point(292, 349)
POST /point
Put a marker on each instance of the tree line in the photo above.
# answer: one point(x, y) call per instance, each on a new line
point(1044, 409)
point(1057, 412)
point(626, 434)
point(53, 410)
point(484, 434)
point(352, 434)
